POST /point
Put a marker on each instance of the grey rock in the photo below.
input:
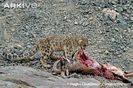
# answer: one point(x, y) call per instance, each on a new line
point(37, 55)
point(7, 84)
point(121, 20)
point(131, 18)
point(30, 78)
point(26, 77)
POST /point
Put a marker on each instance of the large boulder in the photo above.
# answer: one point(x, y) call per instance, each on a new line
point(26, 77)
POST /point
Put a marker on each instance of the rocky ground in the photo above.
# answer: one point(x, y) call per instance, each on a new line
point(26, 77)
point(110, 31)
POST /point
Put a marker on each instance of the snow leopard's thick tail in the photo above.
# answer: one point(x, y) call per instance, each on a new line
point(13, 56)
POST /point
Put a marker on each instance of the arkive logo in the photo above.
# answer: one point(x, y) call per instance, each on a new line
point(13, 5)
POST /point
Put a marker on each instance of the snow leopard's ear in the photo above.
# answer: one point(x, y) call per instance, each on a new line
point(83, 42)
point(80, 41)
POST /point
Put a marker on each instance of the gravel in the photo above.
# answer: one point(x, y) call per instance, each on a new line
point(111, 41)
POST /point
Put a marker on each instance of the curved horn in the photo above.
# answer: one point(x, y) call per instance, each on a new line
point(55, 68)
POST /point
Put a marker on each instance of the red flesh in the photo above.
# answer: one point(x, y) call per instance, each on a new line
point(88, 62)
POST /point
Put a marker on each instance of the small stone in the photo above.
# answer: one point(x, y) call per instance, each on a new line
point(91, 18)
point(13, 30)
point(119, 55)
point(106, 52)
point(128, 11)
point(39, 0)
point(38, 55)
point(114, 2)
point(85, 23)
point(112, 39)
point(100, 32)
point(110, 13)
point(18, 45)
point(19, 52)
point(129, 30)
point(116, 29)
point(76, 22)
point(26, 27)
point(131, 18)
point(120, 9)
point(121, 20)
point(7, 36)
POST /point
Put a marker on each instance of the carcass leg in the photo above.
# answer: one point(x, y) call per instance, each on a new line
point(128, 74)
